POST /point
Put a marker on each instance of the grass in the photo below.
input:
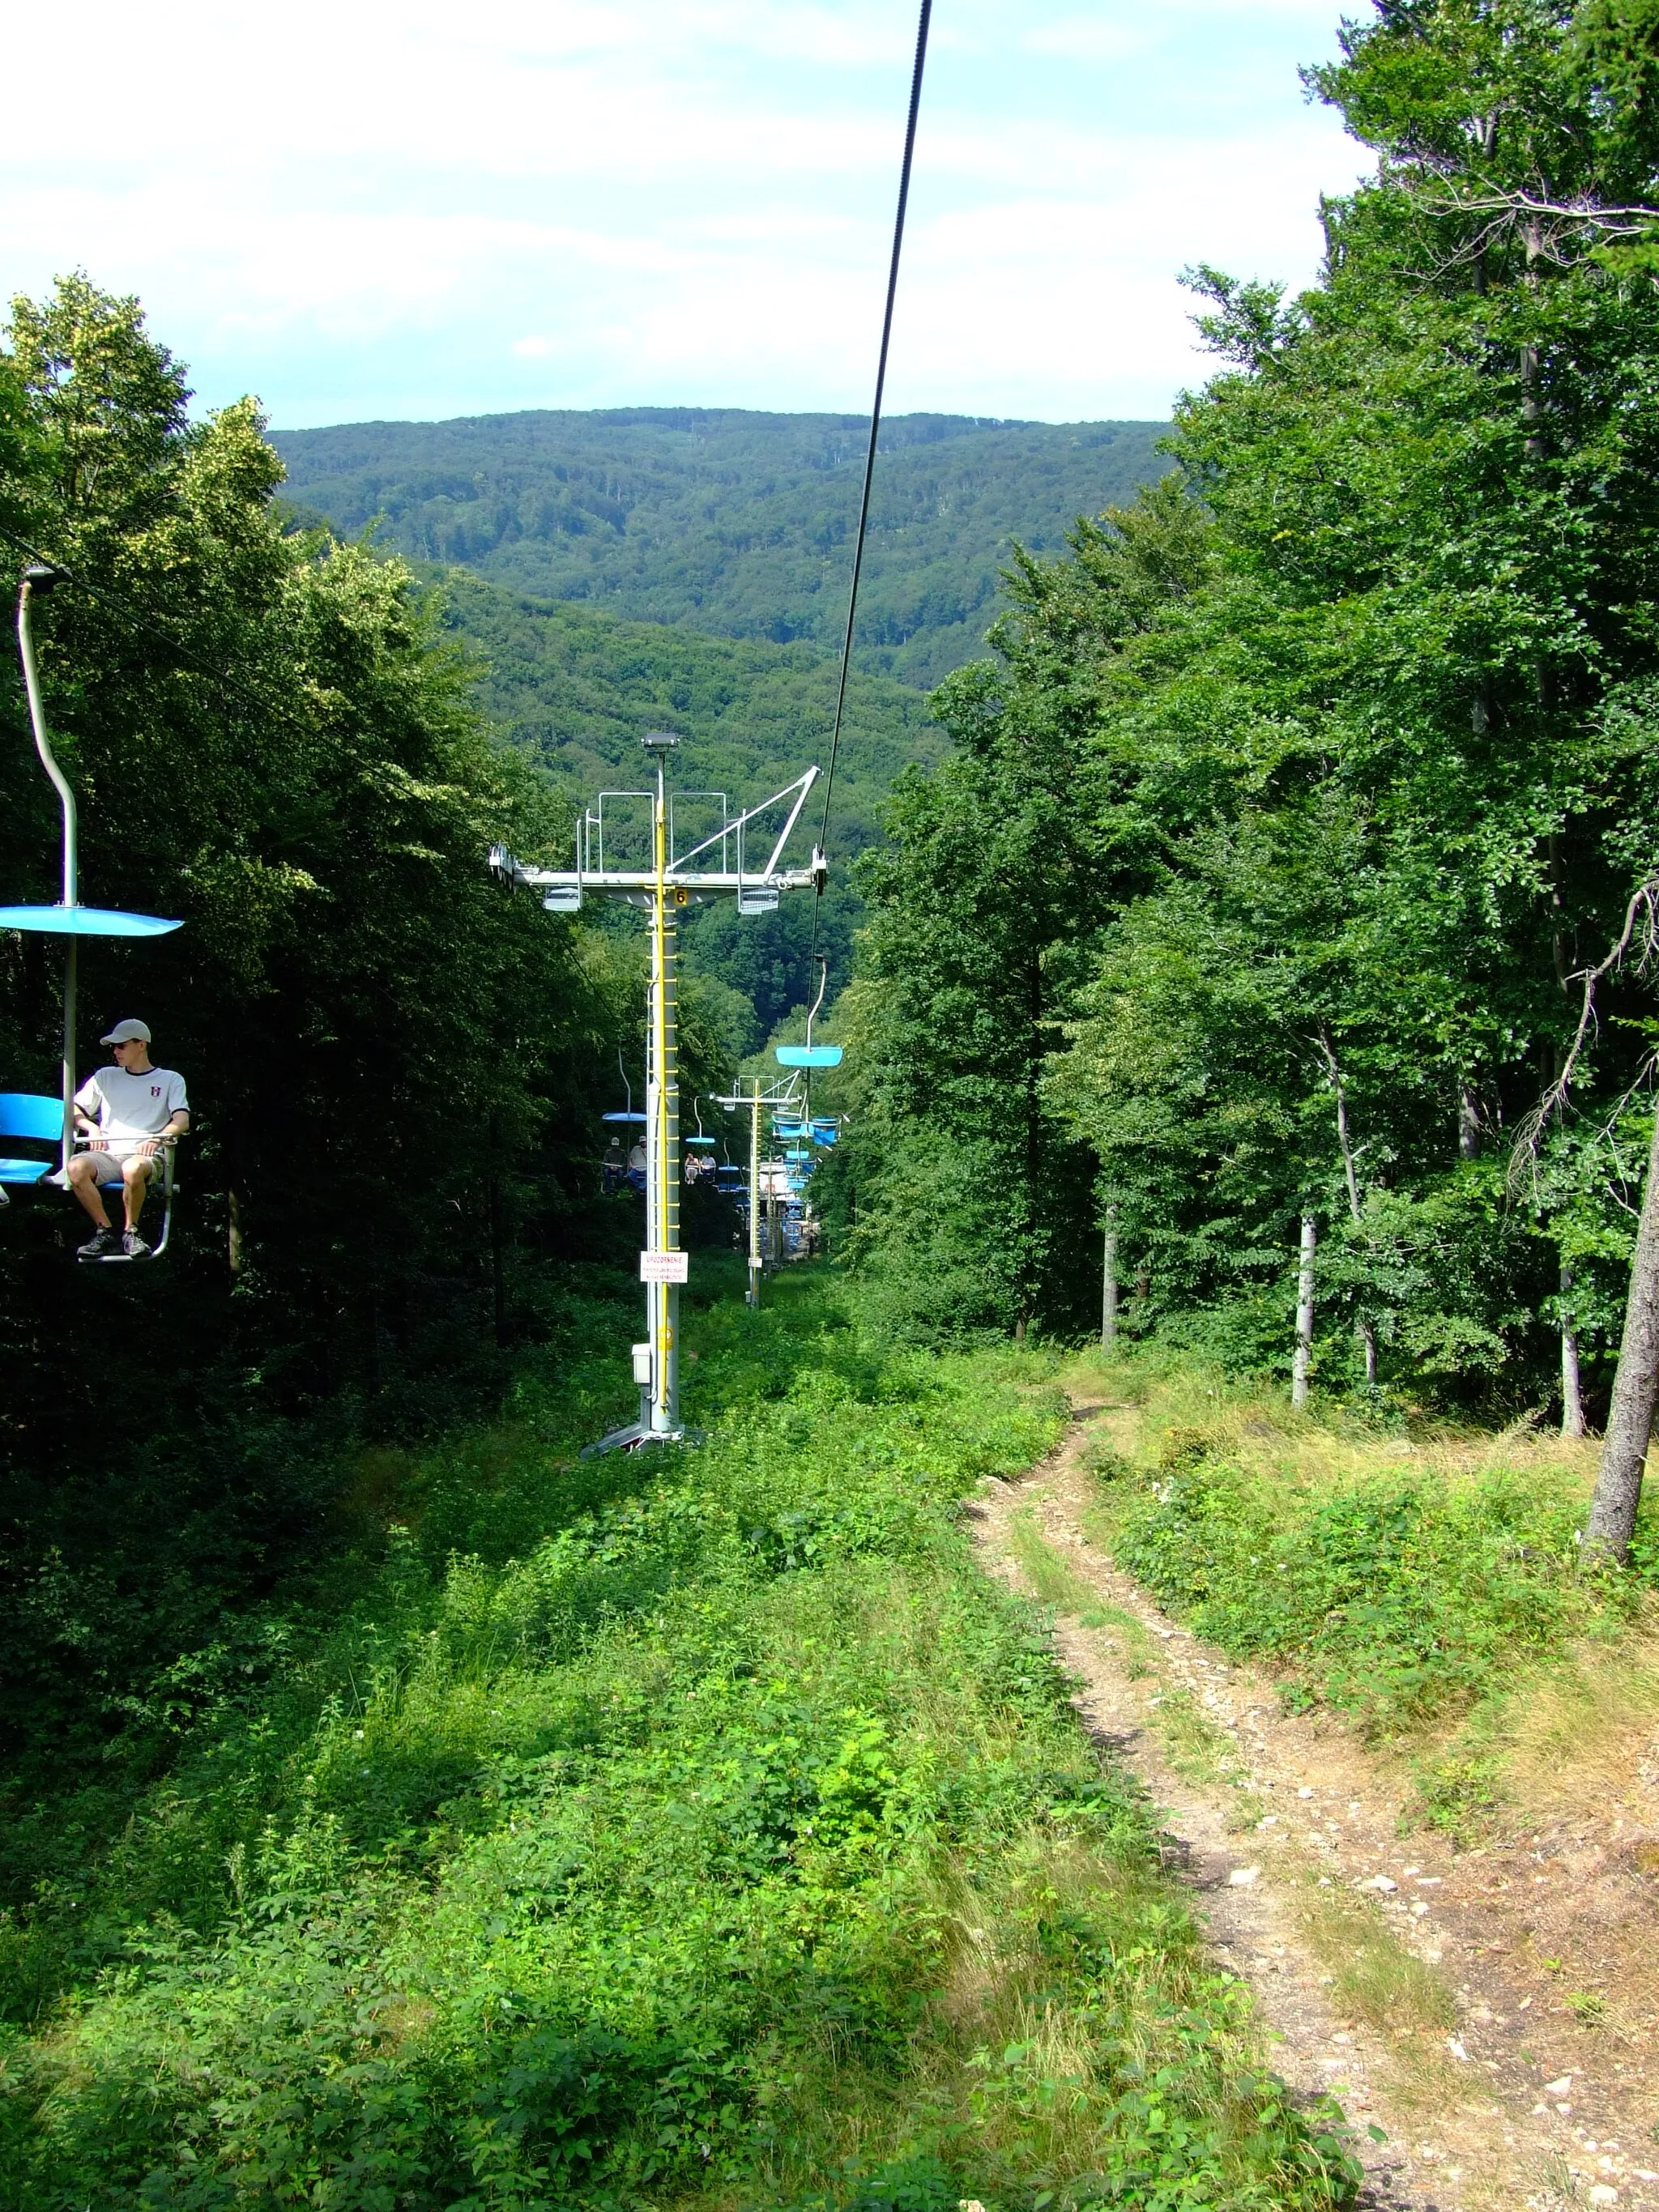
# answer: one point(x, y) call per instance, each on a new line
point(699, 1830)
point(1196, 1747)
point(1375, 1979)
point(1056, 1582)
point(1426, 1585)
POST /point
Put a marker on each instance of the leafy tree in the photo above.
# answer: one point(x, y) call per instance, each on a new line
point(957, 1187)
point(390, 1063)
point(1358, 755)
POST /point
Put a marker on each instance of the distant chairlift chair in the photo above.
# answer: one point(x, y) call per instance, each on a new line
point(633, 1177)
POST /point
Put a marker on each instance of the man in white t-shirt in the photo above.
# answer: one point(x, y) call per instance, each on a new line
point(128, 1114)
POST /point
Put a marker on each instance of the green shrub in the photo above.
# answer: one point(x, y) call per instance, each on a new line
point(733, 1838)
point(1394, 1597)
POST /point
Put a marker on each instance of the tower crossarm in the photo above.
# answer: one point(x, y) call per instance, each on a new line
point(708, 881)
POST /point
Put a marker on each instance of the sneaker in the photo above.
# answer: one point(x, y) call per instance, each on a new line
point(134, 1245)
point(103, 1245)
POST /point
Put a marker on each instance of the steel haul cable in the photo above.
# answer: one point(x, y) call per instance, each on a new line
point(870, 450)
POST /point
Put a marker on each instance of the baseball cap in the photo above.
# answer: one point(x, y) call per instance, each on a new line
point(124, 1032)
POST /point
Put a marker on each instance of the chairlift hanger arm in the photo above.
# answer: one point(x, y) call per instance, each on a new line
point(801, 786)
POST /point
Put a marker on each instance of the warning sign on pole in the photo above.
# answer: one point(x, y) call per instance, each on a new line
point(665, 1267)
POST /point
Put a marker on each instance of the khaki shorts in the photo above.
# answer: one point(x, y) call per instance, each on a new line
point(106, 1165)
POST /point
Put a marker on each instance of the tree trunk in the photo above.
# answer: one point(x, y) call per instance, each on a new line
point(1469, 1124)
point(1109, 1283)
point(1572, 1403)
point(1365, 1327)
point(1634, 1389)
point(1304, 1313)
point(234, 1230)
point(497, 1263)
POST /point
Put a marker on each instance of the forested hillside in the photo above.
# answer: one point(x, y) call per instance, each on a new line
point(736, 523)
point(1301, 794)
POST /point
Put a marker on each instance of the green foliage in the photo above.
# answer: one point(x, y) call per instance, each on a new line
point(392, 1067)
point(646, 1831)
point(1396, 1599)
point(957, 1189)
point(269, 738)
point(578, 687)
point(1340, 760)
point(736, 523)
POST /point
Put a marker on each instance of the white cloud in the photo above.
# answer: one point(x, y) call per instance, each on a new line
point(371, 210)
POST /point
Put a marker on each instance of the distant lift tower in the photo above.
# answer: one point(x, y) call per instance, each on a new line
point(782, 1095)
point(716, 867)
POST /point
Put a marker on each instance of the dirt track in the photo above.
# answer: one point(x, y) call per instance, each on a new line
point(1490, 2089)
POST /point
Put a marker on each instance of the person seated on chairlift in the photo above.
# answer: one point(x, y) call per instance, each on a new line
point(128, 1114)
point(636, 1163)
point(611, 1168)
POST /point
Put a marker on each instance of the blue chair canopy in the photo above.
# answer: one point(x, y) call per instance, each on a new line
point(807, 1055)
point(622, 1117)
point(700, 1141)
point(85, 921)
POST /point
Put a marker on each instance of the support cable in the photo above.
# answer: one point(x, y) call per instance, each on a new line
point(875, 426)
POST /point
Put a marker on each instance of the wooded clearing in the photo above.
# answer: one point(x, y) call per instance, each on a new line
point(1139, 1686)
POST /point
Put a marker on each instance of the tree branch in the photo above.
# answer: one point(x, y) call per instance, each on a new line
point(1643, 906)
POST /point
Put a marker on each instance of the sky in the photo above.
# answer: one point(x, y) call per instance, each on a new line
point(363, 210)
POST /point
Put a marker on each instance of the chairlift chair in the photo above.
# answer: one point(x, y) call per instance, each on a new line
point(632, 1177)
point(168, 1186)
point(39, 1120)
point(810, 1054)
point(68, 918)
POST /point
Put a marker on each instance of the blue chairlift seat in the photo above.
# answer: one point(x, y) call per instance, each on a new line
point(169, 1187)
point(825, 1132)
point(41, 1121)
point(797, 1153)
point(807, 1055)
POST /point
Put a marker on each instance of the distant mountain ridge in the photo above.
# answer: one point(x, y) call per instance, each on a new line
point(734, 523)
